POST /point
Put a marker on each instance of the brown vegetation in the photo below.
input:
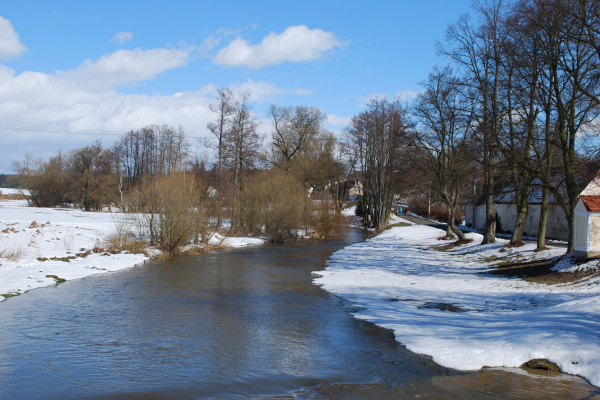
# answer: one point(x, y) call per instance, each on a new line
point(540, 271)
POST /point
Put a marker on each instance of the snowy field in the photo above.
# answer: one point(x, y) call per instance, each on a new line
point(66, 234)
point(444, 304)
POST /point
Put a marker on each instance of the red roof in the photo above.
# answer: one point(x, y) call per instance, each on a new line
point(591, 203)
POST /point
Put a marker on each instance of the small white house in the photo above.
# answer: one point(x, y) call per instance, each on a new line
point(587, 221)
point(355, 191)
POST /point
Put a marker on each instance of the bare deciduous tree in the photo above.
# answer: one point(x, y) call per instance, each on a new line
point(378, 135)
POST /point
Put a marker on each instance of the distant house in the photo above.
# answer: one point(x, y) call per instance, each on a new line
point(587, 221)
point(355, 191)
point(557, 225)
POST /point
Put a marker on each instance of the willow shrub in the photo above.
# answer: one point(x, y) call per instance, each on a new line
point(169, 211)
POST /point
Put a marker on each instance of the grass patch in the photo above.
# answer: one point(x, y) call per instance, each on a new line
point(12, 254)
point(399, 225)
point(446, 237)
point(63, 259)
point(56, 278)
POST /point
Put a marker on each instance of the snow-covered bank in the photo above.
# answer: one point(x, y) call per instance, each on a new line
point(444, 304)
point(27, 250)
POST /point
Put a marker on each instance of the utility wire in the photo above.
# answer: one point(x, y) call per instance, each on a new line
point(83, 132)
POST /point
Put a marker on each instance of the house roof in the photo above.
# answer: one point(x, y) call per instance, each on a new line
point(591, 203)
point(535, 196)
point(593, 188)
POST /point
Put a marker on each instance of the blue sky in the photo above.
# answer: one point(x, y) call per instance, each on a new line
point(70, 67)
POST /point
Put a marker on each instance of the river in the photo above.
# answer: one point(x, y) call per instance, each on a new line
point(239, 323)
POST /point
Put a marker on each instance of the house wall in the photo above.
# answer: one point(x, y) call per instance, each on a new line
point(581, 232)
point(594, 231)
point(557, 226)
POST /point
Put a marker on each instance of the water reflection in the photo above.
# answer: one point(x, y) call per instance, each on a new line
point(232, 324)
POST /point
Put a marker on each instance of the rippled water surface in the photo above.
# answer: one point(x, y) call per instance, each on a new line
point(245, 323)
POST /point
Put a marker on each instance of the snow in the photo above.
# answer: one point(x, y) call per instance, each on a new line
point(535, 196)
point(12, 191)
point(349, 212)
point(570, 264)
point(396, 280)
point(64, 232)
point(235, 241)
point(592, 189)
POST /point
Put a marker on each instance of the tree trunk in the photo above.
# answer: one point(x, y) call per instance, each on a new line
point(522, 209)
point(489, 233)
point(452, 228)
point(541, 236)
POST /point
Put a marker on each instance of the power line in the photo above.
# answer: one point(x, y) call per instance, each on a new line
point(80, 131)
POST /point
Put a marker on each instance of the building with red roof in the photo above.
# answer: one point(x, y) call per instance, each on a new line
point(587, 221)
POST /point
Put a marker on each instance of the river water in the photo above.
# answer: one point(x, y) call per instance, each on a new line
point(243, 323)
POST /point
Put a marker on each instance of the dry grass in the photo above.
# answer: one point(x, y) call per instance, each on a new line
point(117, 244)
point(398, 225)
point(540, 271)
point(16, 196)
point(451, 246)
point(446, 237)
point(12, 254)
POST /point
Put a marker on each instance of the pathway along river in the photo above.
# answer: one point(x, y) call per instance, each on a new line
point(244, 323)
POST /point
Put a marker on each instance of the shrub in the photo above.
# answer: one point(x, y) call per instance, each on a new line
point(168, 211)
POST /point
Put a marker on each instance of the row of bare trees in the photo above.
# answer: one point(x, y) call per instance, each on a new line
point(85, 177)
point(514, 108)
point(294, 185)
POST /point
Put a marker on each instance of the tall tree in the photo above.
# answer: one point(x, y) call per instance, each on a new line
point(379, 135)
point(224, 108)
point(477, 52)
point(241, 145)
point(294, 129)
point(443, 124)
point(570, 67)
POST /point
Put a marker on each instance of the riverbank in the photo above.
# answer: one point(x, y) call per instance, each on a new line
point(42, 246)
point(449, 305)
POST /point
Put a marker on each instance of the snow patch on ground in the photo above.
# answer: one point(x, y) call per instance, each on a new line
point(349, 212)
point(218, 239)
point(444, 304)
point(59, 233)
point(570, 264)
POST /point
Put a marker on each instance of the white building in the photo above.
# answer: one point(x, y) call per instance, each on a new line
point(557, 225)
point(587, 221)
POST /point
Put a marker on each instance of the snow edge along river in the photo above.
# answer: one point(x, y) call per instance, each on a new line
point(397, 281)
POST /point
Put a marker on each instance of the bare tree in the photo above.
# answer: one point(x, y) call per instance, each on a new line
point(294, 129)
point(224, 108)
point(569, 67)
point(477, 51)
point(241, 145)
point(378, 135)
point(443, 124)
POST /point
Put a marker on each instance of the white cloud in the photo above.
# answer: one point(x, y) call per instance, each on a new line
point(264, 91)
point(10, 45)
point(127, 66)
point(406, 95)
point(122, 37)
point(295, 44)
point(336, 120)
point(66, 102)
